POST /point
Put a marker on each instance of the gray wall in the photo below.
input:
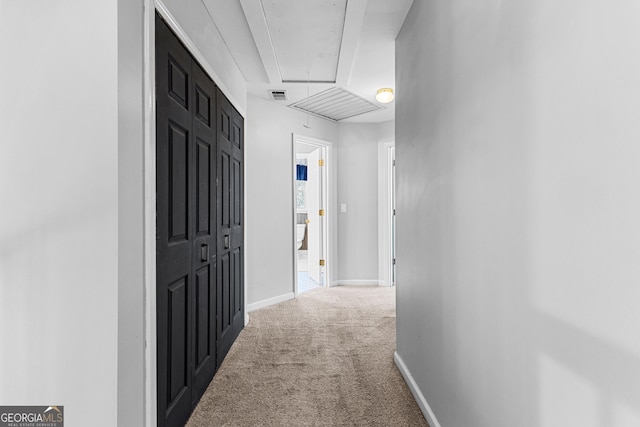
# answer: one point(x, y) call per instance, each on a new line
point(518, 204)
point(131, 349)
point(269, 192)
point(59, 192)
point(269, 163)
point(358, 188)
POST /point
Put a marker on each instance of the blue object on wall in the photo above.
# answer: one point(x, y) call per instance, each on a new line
point(301, 172)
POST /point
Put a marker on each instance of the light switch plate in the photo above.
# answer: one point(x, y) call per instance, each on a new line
point(343, 207)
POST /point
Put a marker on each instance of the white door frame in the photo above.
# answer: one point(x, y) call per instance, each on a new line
point(385, 206)
point(150, 356)
point(327, 201)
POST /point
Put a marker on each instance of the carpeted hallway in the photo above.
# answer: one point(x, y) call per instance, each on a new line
point(324, 359)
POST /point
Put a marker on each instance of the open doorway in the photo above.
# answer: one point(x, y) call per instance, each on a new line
point(311, 223)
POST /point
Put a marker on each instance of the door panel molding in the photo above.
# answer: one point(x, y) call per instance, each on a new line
point(159, 7)
point(230, 224)
point(199, 208)
point(151, 9)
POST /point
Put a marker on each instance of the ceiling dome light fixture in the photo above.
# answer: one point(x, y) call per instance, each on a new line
point(384, 95)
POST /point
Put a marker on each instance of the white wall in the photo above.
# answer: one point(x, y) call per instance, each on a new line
point(59, 209)
point(269, 192)
point(518, 204)
point(358, 189)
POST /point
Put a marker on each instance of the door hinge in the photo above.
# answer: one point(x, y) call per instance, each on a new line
point(321, 212)
point(394, 212)
point(394, 163)
point(394, 261)
point(321, 162)
point(321, 262)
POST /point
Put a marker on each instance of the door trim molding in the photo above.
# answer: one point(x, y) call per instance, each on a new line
point(384, 207)
point(150, 338)
point(330, 203)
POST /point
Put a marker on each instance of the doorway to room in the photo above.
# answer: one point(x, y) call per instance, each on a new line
point(310, 184)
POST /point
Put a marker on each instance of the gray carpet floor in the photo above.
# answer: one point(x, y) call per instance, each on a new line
point(324, 359)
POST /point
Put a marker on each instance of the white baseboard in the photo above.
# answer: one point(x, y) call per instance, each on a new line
point(356, 283)
point(270, 301)
point(415, 390)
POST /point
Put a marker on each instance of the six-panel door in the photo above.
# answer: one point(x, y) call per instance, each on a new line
point(198, 280)
point(230, 220)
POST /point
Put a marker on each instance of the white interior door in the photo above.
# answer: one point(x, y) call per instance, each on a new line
point(312, 203)
point(393, 215)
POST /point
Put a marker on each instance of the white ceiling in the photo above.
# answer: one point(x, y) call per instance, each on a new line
point(347, 43)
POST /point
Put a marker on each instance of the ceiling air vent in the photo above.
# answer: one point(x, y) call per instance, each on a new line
point(278, 95)
point(336, 104)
